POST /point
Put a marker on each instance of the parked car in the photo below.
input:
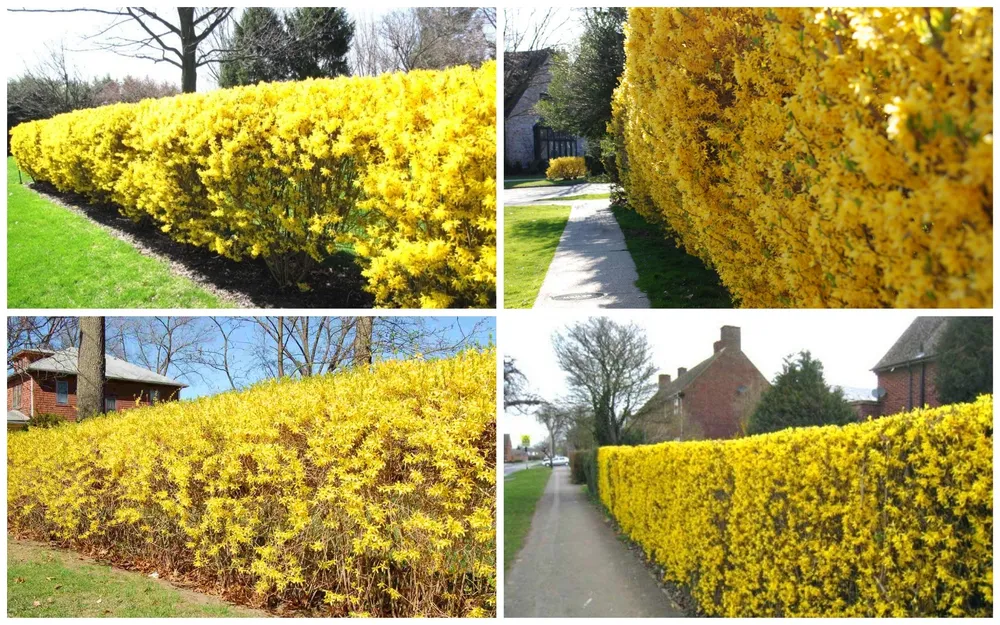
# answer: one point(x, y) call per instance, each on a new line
point(557, 461)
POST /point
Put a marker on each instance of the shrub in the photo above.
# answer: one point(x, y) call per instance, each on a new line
point(892, 517)
point(566, 168)
point(401, 166)
point(817, 158)
point(577, 472)
point(370, 491)
point(590, 470)
point(47, 420)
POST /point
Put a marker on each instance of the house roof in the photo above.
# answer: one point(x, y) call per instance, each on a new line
point(64, 361)
point(683, 381)
point(519, 67)
point(919, 342)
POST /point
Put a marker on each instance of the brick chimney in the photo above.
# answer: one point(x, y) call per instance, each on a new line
point(664, 380)
point(730, 337)
point(681, 371)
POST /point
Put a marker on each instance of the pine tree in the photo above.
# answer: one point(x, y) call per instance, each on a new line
point(800, 397)
point(965, 359)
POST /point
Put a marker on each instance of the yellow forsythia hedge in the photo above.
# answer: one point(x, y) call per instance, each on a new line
point(366, 492)
point(566, 168)
point(817, 157)
point(892, 517)
point(402, 166)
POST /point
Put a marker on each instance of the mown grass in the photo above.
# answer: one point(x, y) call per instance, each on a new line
point(58, 259)
point(520, 496)
point(669, 276)
point(64, 586)
point(531, 236)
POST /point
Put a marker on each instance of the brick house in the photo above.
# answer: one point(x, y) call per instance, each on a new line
point(711, 400)
point(907, 372)
point(44, 381)
point(861, 400)
point(508, 449)
point(527, 142)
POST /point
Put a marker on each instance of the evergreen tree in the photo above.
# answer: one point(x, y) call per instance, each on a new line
point(800, 397)
point(965, 359)
point(256, 50)
point(310, 42)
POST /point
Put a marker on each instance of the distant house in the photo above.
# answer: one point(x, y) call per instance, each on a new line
point(711, 400)
point(44, 381)
point(508, 449)
point(907, 372)
point(528, 144)
point(861, 400)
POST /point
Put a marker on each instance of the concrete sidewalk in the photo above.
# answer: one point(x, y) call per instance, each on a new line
point(591, 268)
point(513, 197)
point(572, 564)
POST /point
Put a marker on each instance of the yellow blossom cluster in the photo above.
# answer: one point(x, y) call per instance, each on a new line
point(365, 492)
point(401, 166)
point(891, 517)
point(817, 157)
point(566, 168)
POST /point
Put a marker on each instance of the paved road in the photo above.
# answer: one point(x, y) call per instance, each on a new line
point(572, 564)
point(509, 468)
point(537, 194)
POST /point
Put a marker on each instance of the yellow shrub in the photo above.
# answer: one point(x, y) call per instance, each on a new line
point(369, 491)
point(892, 517)
point(566, 168)
point(402, 166)
point(835, 158)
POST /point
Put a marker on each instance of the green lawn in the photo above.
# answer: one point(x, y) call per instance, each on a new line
point(520, 495)
point(670, 277)
point(58, 259)
point(64, 586)
point(530, 237)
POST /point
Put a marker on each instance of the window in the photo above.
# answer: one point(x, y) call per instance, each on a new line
point(154, 395)
point(16, 397)
point(62, 392)
point(109, 403)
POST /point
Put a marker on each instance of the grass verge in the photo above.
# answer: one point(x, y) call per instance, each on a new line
point(669, 276)
point(64, 585)
point(531, 235)
point(520, 495)
point(58, 259)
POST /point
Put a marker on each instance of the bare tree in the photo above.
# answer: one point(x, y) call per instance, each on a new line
point(90, 368)
point(170, 346)
point(609, 367)
point(557, 420)
point(363, 341)
point(515, 388)
point(40, 333)
point(178, 42)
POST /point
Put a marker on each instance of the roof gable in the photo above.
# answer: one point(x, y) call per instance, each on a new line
point(65, 362)
point(919, 342)
point(519, 70)
point(684, 381)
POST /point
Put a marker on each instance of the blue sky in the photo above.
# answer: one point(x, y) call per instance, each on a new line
point(209, 382)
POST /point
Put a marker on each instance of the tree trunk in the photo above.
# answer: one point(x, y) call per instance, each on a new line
point(90, 368)
point(363, 341)
point(189, 50)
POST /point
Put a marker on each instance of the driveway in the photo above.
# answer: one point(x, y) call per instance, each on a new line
point(573, 564)
point(528, 195)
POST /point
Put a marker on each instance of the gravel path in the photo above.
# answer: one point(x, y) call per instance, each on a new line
point(572, 564)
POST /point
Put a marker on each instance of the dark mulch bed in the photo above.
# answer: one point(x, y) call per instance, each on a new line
point(337, 283)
